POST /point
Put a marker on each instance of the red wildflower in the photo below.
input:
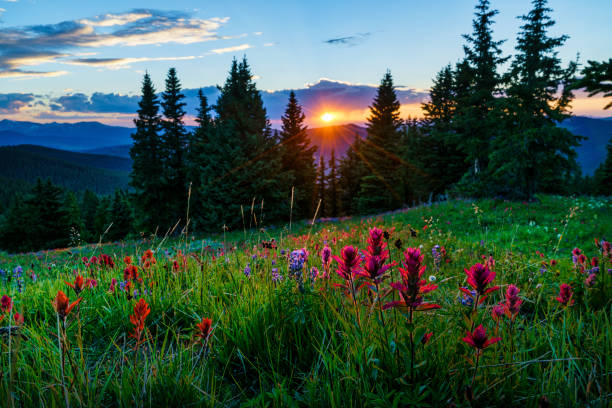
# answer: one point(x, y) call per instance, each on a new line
point(479, 276)
point(62, 305)
point(479, 339)
point(127, 260)
point(347, 269)
point(426, 337)
point(130, 273)
point(374, 269)
point(565, 295)
point(112, 285)
point(18, 318)
point(141, 311)
point(497, 312)
point(203, 330)
point(6, 304)
point(376, 245)
point(513, 302)
point(412, 288)
point(78, 284)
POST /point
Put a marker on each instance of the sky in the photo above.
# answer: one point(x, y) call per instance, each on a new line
point(70, 61)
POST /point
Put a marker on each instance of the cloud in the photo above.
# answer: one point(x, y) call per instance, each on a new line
point(18, 73)
point(98, 102)
point(39, 44)
point(231, 49)
point(13, 102)
point(120, 63)
point(350, 41)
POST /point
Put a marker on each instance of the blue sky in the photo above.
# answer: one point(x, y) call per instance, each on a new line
point(59, 49)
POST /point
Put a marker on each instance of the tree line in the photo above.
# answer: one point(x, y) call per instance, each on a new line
point(485, 133)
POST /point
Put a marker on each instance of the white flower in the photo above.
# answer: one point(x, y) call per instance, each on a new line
point(432, 278)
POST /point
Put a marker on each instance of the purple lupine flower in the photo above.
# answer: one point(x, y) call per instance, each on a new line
point(247, 271)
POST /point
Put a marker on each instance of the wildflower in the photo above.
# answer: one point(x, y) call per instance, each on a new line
point(127, 260)
point(513, 302)
point(590, 281)
point(203, 330)
point(479, 339)
point(374, 269)
point(276, 277)
point(432, 278)
point(468, 297)
point(62, 305)
point(347, 269)
point(314, 273)
point(498, 312)
point(376, 246)
point(479, 276)
point(131, 273)
point(112, 285)
point(326, 255)
point(247, 271)
point(78, 284)
point(398, 244)
point(565, 295)
point(141, 311)
point(426, 337)
point(6, 304)
point(18, 318)
point(412, 288)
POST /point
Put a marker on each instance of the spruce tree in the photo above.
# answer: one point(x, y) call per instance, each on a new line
point(333, 198)
point(198, 139)
point(477, 112)
point(147, 167)
point(298, 161)
point(89, 203)
point(103, 218)
point(243, 162)
point(121, 216)
point(322, 188)
point(352, 171)
point(381, 187)
point(536, 154)
point(603, 174)
point(174, 152)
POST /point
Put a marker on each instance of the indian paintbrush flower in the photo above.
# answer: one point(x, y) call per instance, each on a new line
point(565, 295)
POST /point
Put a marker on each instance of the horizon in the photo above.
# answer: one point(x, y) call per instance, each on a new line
point(85, 62)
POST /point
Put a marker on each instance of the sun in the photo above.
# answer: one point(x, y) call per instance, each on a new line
point(327, 117)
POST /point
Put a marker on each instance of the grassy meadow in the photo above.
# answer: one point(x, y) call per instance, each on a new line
point(286, 329)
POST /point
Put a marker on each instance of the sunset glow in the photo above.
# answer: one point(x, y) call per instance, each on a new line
point(327, 117)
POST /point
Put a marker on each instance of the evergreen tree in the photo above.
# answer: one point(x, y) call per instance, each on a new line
point(174, 152)
point(243, 160)
point(39, 221)
point(536, 154)
point(199, 138)
point(478, 83)
point(333, 197)
point(597, 79)
point(322, 187)
point(381, 187)
point(146, 157)
point(435, 146)
point(298, 161)
point(73, 217)
point(603, 175)
point(89, 204)
point(121, 216)
point(352, 171)
point(103, 219)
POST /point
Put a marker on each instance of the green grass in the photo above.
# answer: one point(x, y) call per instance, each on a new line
point(276, 345)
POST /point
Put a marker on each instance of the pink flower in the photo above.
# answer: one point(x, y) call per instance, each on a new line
point(565, 295)
point(513, 302)
point(479, 276)
point(498, 312)
point(376, 245)
point(479, 339)
point(6, 304)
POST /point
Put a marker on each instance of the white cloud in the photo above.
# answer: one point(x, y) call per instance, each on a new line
point(231, 49)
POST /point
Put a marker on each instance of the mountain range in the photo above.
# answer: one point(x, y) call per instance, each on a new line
point(96, 156)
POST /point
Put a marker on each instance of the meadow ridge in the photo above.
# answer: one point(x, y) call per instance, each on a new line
point(460, 303)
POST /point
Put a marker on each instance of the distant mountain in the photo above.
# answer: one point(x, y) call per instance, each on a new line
point(96, 138)
point(75, 171)
point(592, 151)
point(67, 136)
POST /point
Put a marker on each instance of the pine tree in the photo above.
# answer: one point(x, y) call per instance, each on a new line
point(597, 78)
point(174, 152)
point(322, 188)
point(73, 216)
point(477, 106)
point(333, 197)
point(352, 172)
point(89, 203)
point(439, 150)
point(243, 162)
point(381, 188)
point(536, 154)
point(147, 167)
point(103, 218)
point(121, 216)
point(298, 157)
point(199, 138)
point(603, 174)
